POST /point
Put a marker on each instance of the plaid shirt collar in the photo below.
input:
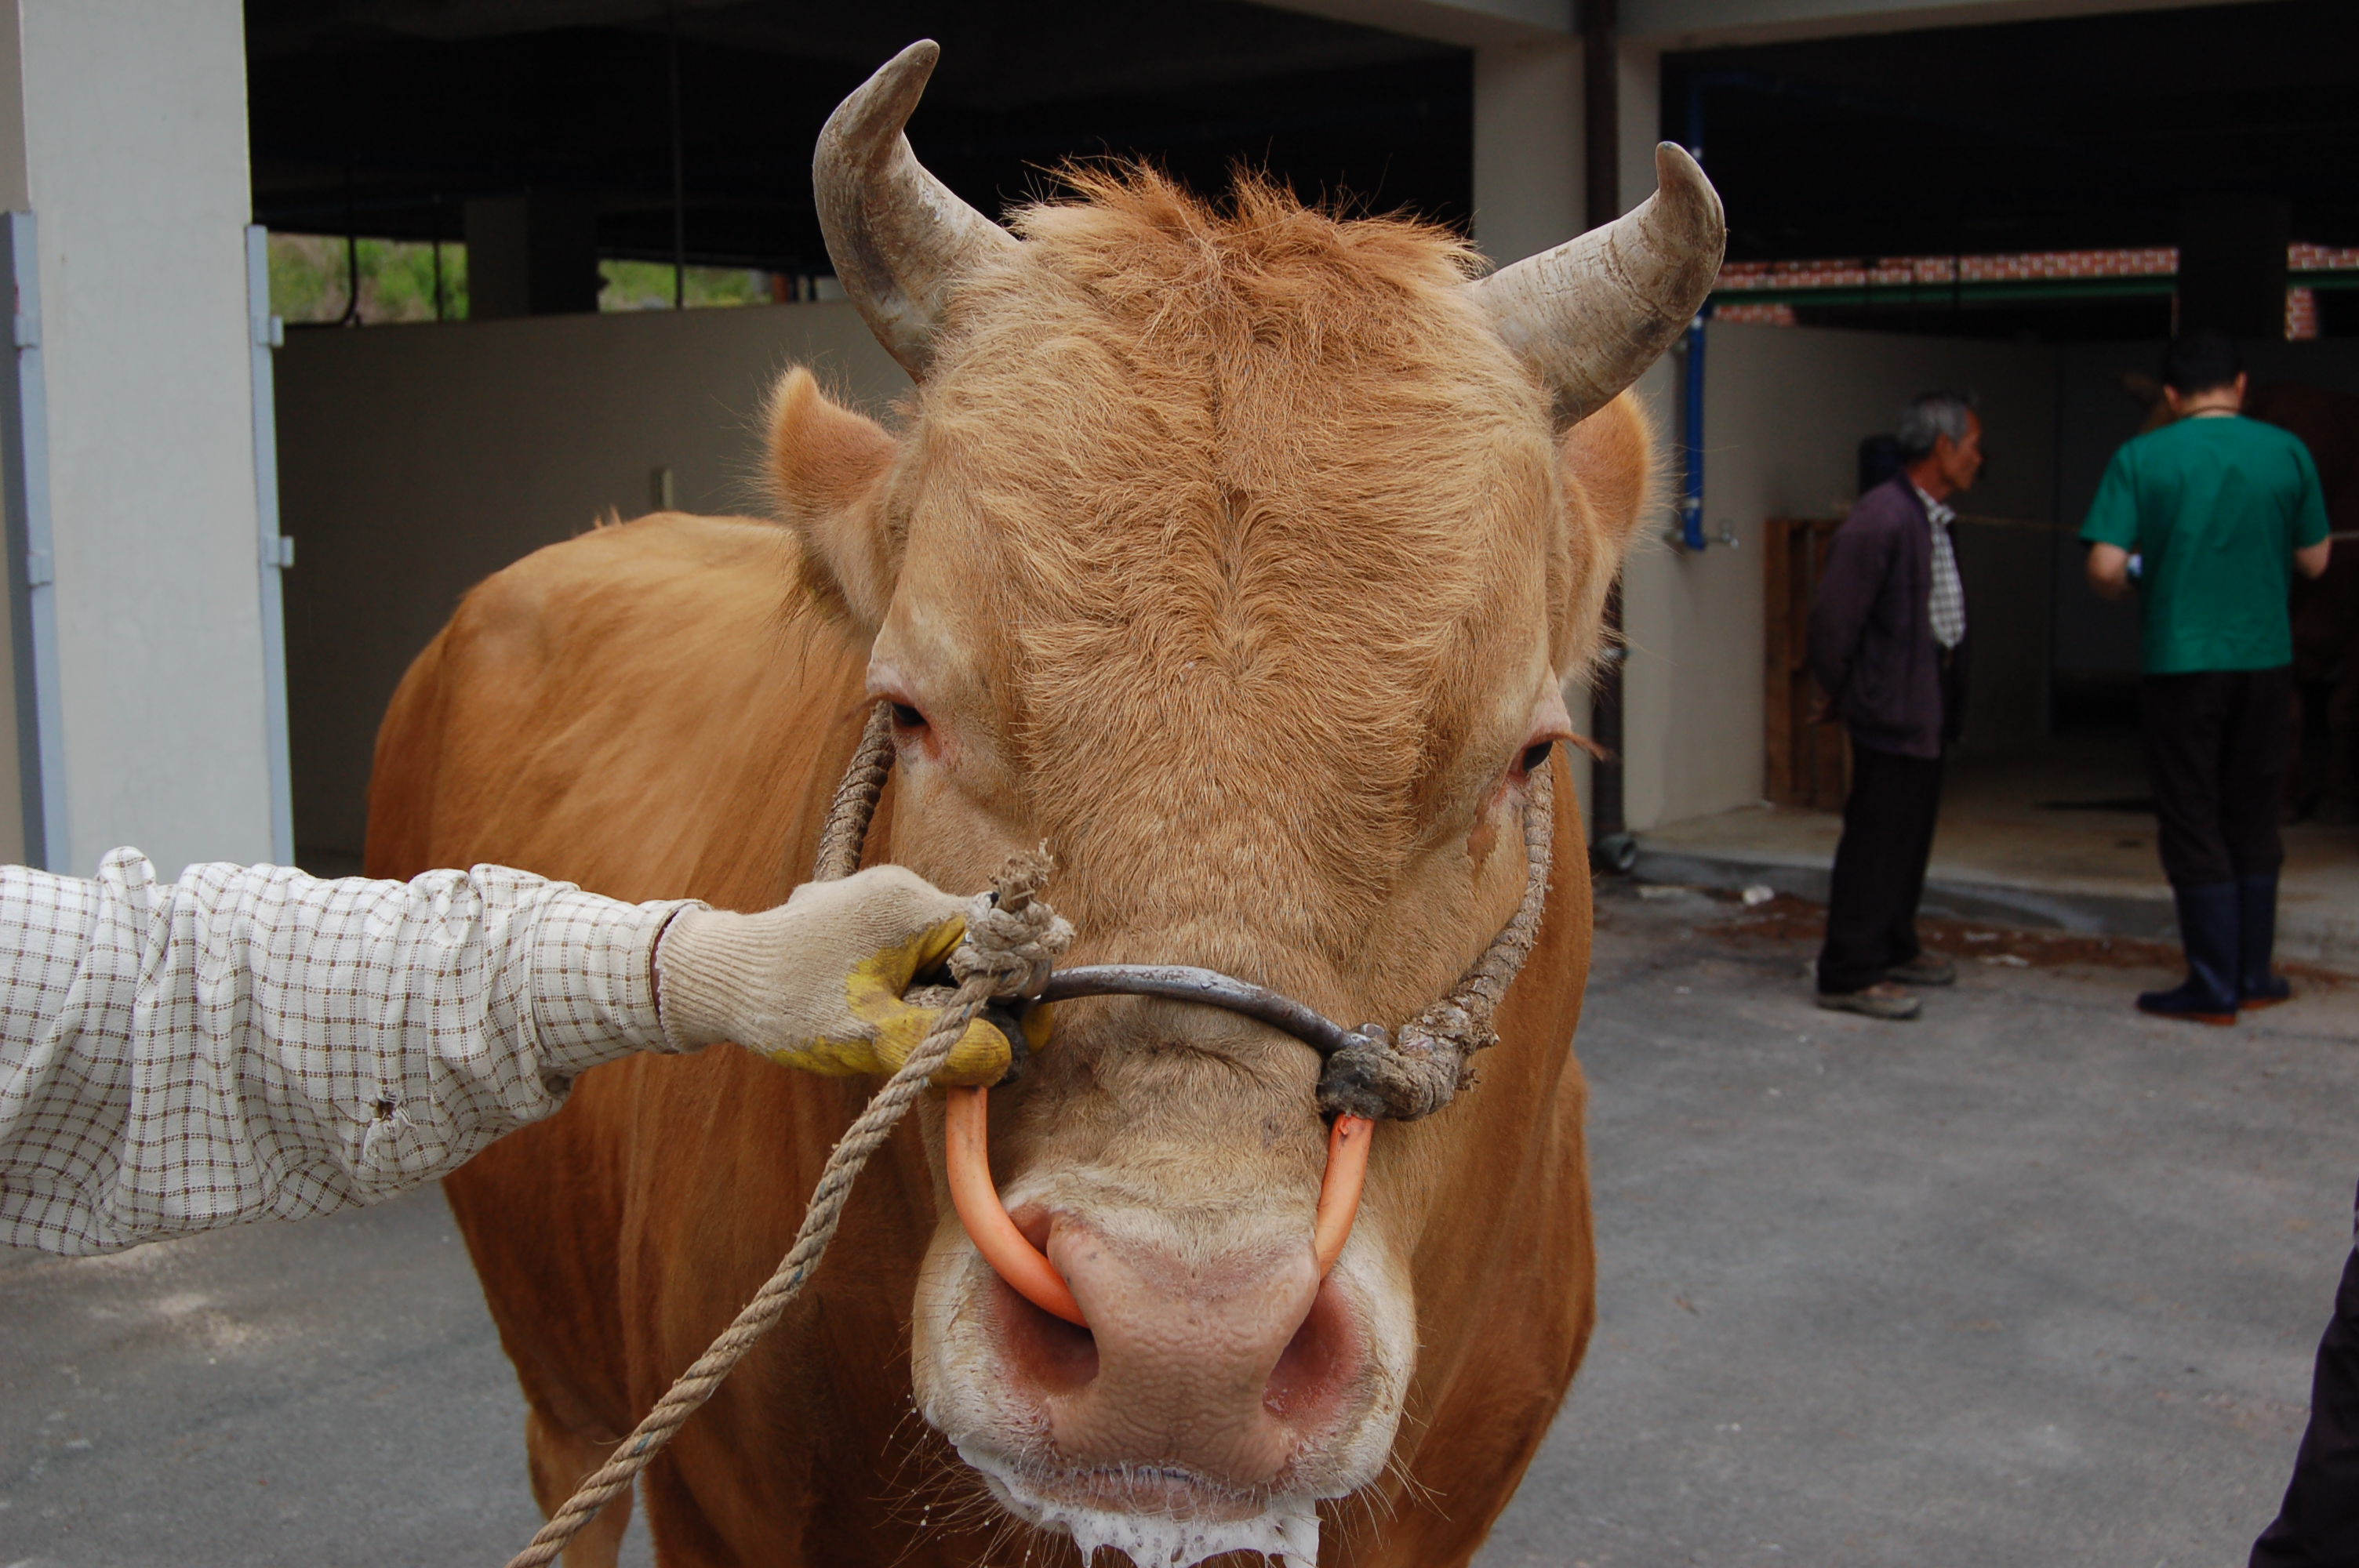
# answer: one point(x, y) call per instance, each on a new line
point(1940, 513)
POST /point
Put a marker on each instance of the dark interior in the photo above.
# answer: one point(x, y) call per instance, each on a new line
point(383, 116)
point(2090, 132)
point(387, 114)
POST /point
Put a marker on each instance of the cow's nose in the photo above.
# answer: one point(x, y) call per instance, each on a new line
point(1221, 1368)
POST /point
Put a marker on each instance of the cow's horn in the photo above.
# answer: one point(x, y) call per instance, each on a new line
point(901, 243)
point(1594, 312)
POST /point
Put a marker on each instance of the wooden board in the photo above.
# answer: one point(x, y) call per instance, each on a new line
point(1809, 764)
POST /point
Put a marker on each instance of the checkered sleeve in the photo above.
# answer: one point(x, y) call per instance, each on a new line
point(250, 1042)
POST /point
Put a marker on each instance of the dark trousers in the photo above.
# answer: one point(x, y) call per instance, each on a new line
point(1887, 836)
point(2318, 1526)
point(2216, 743)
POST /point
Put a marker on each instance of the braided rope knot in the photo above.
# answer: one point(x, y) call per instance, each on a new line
point(1402, 1075)
point(1013, 939)
point(1411, 1073)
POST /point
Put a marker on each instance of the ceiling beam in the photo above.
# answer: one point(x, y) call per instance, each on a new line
point(1707, 24)
point(1703, 24)
point(1470, 24)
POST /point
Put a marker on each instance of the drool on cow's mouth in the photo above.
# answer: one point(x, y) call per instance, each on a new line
point(1163, 1490)
point(1157, 1516)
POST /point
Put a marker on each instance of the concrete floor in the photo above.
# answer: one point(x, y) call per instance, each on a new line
point(2017, 839)
point(2032, 1280)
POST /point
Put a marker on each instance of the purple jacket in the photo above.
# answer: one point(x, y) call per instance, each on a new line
point(1872, 630)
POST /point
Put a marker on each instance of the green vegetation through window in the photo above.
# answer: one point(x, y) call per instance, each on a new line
point(310, 279)
point(405, 280)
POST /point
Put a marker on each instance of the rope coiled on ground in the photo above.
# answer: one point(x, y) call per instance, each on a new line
point(1011, 941)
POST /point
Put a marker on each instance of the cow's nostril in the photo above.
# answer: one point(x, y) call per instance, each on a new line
point(1316, 1363)
point(1054, 1356)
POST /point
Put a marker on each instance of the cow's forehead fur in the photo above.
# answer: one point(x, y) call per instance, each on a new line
point(1259, 527)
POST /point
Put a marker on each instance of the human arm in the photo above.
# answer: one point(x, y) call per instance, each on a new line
point(2310, 560)
point(252, 1043)
point(2110, 529)
point(2109, 570)
point(1859, 557)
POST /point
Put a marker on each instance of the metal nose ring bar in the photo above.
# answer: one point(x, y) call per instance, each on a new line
point(967, 1155)
point(1208, 988)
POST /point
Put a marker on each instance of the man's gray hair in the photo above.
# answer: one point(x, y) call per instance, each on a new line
point(1929, 416)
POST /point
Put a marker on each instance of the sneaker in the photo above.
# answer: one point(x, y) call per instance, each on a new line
point(1882, 999)
point(1924, 969)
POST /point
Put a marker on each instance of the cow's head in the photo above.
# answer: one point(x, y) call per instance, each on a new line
point(1233, 555)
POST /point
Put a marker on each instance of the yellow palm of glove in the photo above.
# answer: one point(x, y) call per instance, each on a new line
point(819, 982)
point(873, 989)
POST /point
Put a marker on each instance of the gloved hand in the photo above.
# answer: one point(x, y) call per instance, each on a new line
point(817, 983)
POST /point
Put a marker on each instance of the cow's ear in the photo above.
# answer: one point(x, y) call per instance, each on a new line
point(1611, 482)
point(828, 473)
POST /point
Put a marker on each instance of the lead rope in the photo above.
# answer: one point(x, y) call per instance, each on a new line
point(1401, 1076)
point(1009, 948)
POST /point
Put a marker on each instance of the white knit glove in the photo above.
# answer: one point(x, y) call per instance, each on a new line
point(817, 983)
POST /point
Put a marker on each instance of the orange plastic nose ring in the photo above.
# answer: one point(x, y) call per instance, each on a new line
point(966, 1151)
point(1339, 1192)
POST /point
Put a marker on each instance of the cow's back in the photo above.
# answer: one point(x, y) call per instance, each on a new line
point(638, 709)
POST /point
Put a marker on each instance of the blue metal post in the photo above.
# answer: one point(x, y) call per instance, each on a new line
point(1691, 379)
point(1691, 438)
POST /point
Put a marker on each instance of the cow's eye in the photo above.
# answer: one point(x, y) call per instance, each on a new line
point(905, 716)
point(1535, 757)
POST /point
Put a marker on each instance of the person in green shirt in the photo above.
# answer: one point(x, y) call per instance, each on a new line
point(2206, 519)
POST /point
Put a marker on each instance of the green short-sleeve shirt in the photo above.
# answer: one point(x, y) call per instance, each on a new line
point(2215, 505)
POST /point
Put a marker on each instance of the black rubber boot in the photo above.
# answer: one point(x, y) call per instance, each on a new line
point(2256, 936)
point(2208, 924)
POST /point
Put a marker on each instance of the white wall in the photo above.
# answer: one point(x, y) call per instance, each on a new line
point(1785, 409)
point(414, 462)
point(122, 128)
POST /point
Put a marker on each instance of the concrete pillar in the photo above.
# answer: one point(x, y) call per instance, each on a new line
point(1527, 169)
point(1639, 73)
point(1662, 622)
point(535, 254)
point(123, 132)
point(2231, 264)
point(1529, 194)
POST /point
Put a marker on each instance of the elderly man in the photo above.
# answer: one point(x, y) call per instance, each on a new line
point(1888, 646)
point(2218, 512)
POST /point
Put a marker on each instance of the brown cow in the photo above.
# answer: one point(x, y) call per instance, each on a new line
point(1239, 556)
